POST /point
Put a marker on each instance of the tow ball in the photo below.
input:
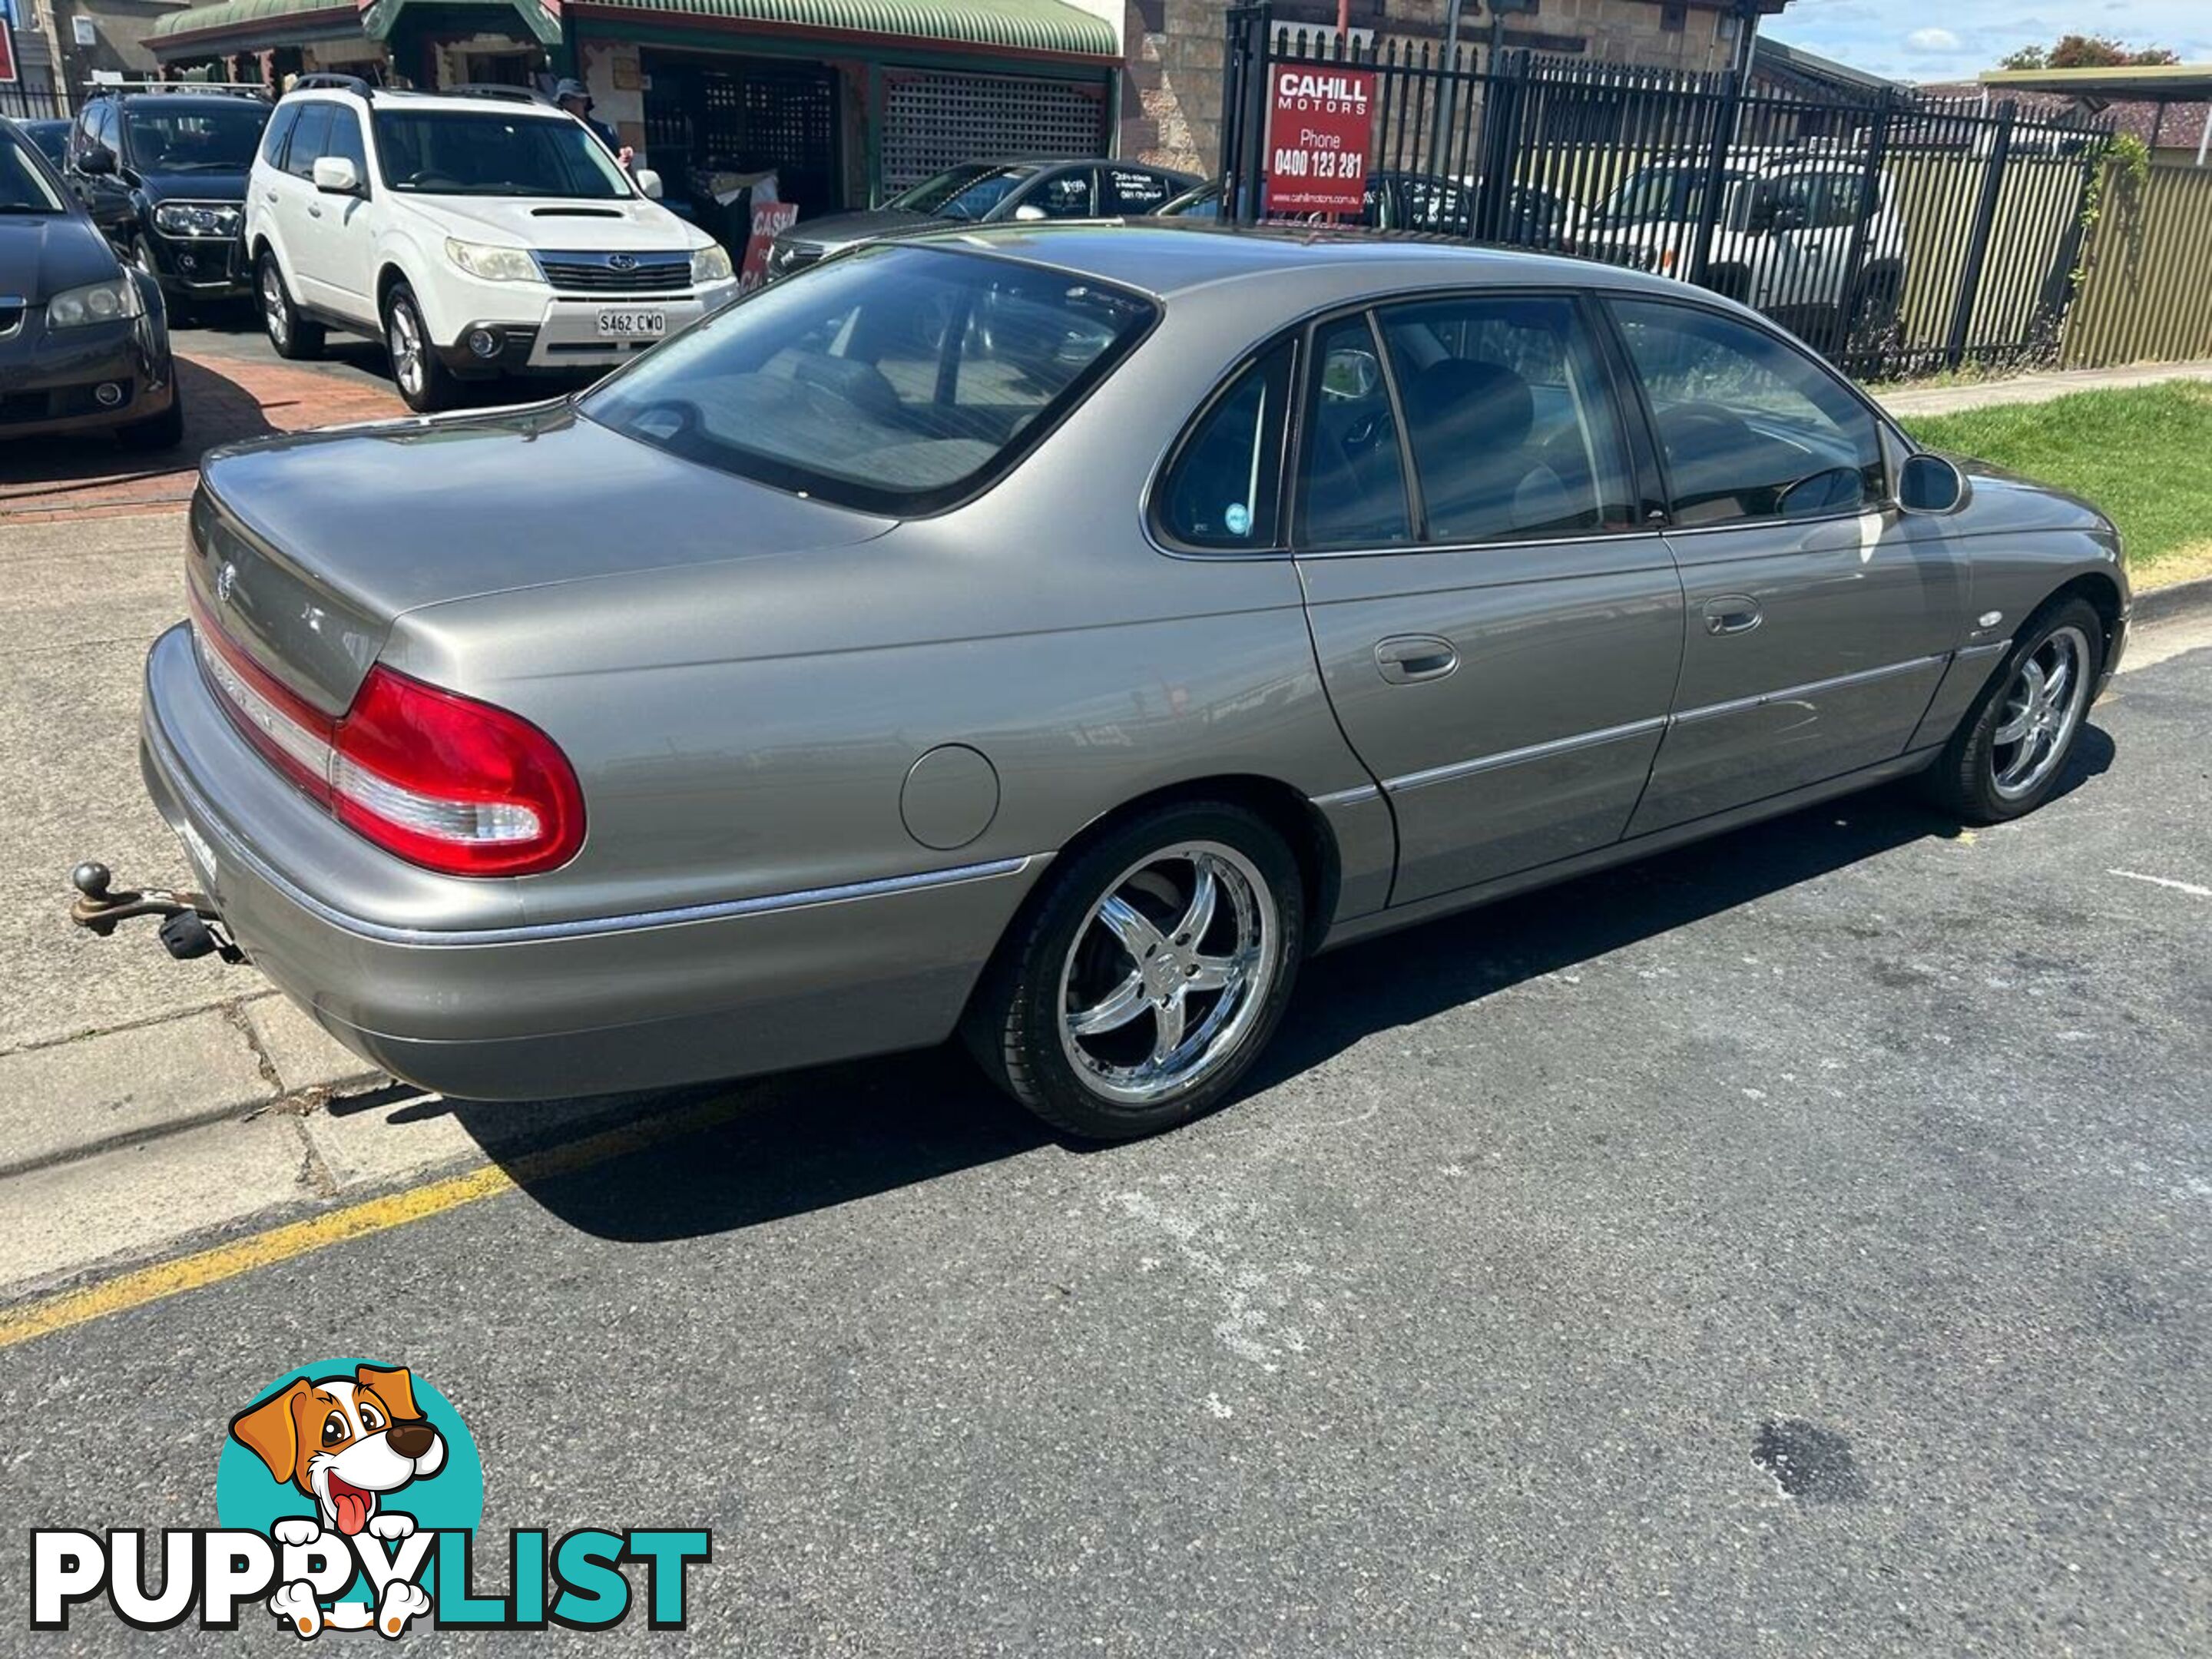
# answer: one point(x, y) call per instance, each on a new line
point(190, 925)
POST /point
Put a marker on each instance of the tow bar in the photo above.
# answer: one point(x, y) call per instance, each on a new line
point(190, 925)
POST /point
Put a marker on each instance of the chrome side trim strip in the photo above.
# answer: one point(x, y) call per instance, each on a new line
point(1811, 688)
point(1365, 792)
point(1975, 653)
point(202, 818)
point(1515, 756)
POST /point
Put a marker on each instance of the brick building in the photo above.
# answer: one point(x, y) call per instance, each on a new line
point(1172, 109)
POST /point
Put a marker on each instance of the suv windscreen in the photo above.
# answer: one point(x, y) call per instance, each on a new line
point(206, 138)
point(23, 186)
point(1658, 193)
point(896, 380)
point(461, 152)
point(967, 193)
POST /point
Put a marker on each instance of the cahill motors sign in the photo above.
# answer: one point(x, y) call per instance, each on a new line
point(1318, 124)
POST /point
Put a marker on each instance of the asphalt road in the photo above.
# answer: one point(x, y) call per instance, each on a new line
point(1797, 1244)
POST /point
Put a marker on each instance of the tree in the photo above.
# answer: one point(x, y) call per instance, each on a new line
point(2085, 51)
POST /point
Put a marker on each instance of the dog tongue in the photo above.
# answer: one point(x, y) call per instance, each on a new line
point(352, 1506)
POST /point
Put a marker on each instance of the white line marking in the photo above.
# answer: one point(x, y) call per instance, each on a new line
point(2188, 887)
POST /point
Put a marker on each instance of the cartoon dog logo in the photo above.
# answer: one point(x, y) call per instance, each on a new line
point(348, 1442)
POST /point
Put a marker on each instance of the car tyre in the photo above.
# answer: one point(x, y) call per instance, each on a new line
point(1134, 991)
point(165, 431)
point(425, 383)
point(2011, 749)
point(291, 335)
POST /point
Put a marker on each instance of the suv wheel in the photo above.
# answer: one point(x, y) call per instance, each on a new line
point(424, 380)
point(291, 334)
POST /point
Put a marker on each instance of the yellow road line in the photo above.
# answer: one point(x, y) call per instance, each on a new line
point(162, 1280)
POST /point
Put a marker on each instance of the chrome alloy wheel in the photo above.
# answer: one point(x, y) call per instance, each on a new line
point(274, 311)
point(2042, 707)
point(1169, 973)
point(405, 342)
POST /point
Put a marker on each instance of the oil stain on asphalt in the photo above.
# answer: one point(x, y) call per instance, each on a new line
point(1809, 1462)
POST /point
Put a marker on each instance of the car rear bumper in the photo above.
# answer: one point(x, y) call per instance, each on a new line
point(50, 381)
point(513, 1010)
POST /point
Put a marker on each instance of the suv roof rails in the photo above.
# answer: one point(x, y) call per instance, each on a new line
point(495, 90)
point(225, 89)
point(333, 82)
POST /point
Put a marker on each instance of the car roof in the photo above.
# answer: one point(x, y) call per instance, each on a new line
point(1167, 257)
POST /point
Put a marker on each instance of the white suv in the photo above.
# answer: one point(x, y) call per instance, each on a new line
point(1799, 236)
point(476, 234)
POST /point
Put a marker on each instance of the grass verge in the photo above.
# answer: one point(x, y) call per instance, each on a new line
point(2143, 454)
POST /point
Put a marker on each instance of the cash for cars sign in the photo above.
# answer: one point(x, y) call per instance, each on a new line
point(1317, 131)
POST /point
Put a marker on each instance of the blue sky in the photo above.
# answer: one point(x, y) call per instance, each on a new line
point(1952, 40)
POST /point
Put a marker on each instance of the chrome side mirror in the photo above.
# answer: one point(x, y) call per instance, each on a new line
point(1928, 483)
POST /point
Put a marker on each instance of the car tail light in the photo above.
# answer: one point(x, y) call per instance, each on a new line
point(440, 780)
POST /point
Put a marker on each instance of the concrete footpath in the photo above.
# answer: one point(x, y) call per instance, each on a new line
point(1906, 402)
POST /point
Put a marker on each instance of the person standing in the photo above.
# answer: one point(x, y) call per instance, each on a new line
point(573, 96)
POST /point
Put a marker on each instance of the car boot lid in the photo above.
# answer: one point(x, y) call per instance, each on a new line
point(307, 548)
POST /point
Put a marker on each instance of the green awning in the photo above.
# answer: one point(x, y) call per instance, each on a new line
point(271, 23)
point(1047, 26)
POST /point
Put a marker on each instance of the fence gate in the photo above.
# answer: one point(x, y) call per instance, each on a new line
point(1894, 235)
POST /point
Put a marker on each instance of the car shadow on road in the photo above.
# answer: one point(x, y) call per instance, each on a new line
point(91, 468)
point(810, 1140)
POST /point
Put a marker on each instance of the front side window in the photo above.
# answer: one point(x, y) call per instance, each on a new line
point(1512, 426)
point(280, 129)
point(1221, 487)
point(1749, 426)
point(205, 139)
point(345, 140)
point(894, 379)
point(308, 139)
point(464, 153)
point(1064, 195)
point(1354, 483)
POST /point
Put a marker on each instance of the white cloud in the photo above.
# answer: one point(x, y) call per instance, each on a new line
point(1931, 40)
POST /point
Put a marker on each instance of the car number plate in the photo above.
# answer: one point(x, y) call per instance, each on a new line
point(633, 324)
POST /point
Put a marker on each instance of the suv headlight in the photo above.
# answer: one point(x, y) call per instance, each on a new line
point(493, 265)
point(110, 301)
point(197, 219)
point(710, 264)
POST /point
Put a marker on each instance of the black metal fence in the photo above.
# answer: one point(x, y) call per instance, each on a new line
point(1895, 234)
point(26, 101)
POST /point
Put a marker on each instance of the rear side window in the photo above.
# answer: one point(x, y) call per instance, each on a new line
point(1133, 190)
point(280, 129)
point(1221, 487)
point(308, 139)
point(1353, 491)
point(1749, 426)
point(1510, 418)
point(895, 378)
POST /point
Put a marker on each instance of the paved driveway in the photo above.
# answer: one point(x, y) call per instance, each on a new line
point(1797, 1244)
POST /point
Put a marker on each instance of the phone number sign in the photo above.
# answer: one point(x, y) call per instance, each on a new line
point(1318, 127)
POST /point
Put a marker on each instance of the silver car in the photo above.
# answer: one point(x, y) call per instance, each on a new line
point(1054, 634)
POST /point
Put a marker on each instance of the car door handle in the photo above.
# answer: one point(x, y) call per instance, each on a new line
point(314, 212)
point(1405, 659)
point(1732, 613)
